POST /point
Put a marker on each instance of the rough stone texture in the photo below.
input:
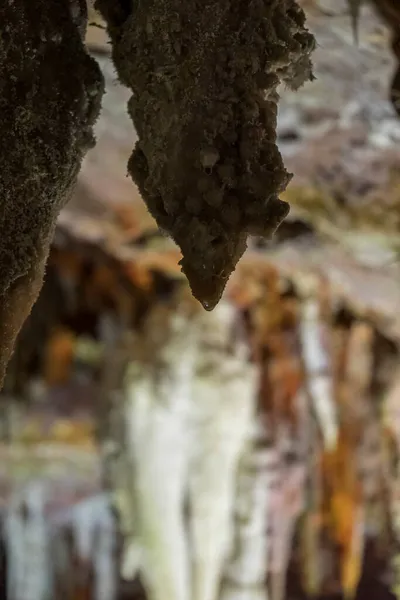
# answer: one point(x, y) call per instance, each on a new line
point(340, 136)
point(389, 11)
point(50, 92)
point(204, 76)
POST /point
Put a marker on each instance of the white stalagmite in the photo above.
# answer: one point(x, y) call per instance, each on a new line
point(94, 535)
point(27, 538)
point(37, 553)
point(192, 479)
point(223, 410)
point(190, 419)
point(157, 412)
point(104, 551)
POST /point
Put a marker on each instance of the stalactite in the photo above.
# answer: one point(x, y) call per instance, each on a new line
point(50, 98)
point(204, 76)
point(319, 370)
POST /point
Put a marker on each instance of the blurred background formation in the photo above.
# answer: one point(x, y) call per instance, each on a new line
point(152, 450)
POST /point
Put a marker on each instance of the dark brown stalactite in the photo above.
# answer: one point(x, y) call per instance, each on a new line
point(50, 92)
point(204, 74)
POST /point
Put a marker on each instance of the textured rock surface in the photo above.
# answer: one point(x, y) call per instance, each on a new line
point(204, 76)
point(340, 136)
point(49, 100)
point(389, 11)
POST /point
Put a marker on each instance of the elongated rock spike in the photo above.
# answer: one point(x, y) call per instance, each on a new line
point(204, 75)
